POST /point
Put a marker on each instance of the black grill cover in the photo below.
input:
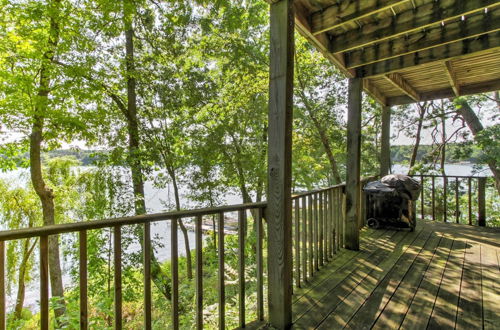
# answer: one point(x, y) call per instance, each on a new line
point(379, 187)
point(407, 187)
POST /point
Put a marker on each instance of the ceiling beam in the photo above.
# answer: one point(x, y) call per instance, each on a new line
point(348, 11)
point(423, 16)
point(399, 82)
point(374, 92)
point(321, 42)
point(452, 77)
point(483, 87)
point(472, 26)
point(486, 42)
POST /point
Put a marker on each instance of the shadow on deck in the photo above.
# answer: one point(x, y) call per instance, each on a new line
point(440, 276)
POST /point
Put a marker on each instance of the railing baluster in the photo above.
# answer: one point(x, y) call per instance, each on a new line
point(338, 207)
point(199, 273)
point(260, 268)
point(174, 268)
point(330, 222)
point(2, 285)
point(44, 282)
point(457, 205)
point(469, 182)
point(445, 199)
point(311, 234)
point(147, 275)
point(222, 289)
point(481, 202)
point(433, 198)
point(304, 239)
point(316, 233)
point(83, 280)
point(297, 244)
point(343, 219)
point(422, 204)
point(321, 233)
point(241, 265)
point(327, 226)
point(117, 237)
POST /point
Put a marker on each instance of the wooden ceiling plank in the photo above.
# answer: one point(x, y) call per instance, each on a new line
point(408, 21)
point(452, 76)
point(374, 92)
point(484, 43)
point(482, 87)
point(473, 26)
point(348, 12)
point(399, 82)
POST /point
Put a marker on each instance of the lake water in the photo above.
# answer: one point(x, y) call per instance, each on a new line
point(452, 169)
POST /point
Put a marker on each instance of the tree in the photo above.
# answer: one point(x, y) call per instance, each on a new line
point(19, 208)
point(486, 138)
point(320, 93)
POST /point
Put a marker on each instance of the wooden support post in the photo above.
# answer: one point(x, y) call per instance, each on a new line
point(385, 150)
point(279, 217)
point(481, 202)
point(353, 164)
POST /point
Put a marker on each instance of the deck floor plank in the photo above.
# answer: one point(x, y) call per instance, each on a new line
point(314, 297)
point(397, 307)
point(445, 307)
point(375, 303)
point(368, 238)
point(491, 287)
point(347, 308)
point(441, 276)
point(421, 306)
point(470, 308)
point(335, 291)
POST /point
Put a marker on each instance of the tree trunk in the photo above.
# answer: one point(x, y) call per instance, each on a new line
point(160, 279)
point(189, 265)
point(474, 124)
point(21, 287)
point(443, 140)
point(422, 110)
point(320, 130)
point(42, 190)
point(326, 144)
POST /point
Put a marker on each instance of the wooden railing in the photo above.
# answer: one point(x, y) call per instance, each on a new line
point(318, 233)
point(469, 188)
point(145, 220)
point(319, 228)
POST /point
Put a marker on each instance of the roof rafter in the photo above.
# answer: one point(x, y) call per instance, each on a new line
point(348, 11)
point(482, 87)
point(409, 21)
point(399, 82)
point(457, 30)
point(374, 92)
point(320, 42)
point(485, 42)
point(452, 77)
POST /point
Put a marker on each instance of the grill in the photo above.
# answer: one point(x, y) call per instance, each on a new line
point(391, 202)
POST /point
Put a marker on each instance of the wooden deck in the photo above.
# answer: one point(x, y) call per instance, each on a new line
point(440, 276)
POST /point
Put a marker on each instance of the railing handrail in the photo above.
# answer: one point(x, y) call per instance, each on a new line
point(6, 235)
point(451, 176)
point(312, 192)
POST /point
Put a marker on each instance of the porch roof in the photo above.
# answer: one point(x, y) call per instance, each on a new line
point(408, 50)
